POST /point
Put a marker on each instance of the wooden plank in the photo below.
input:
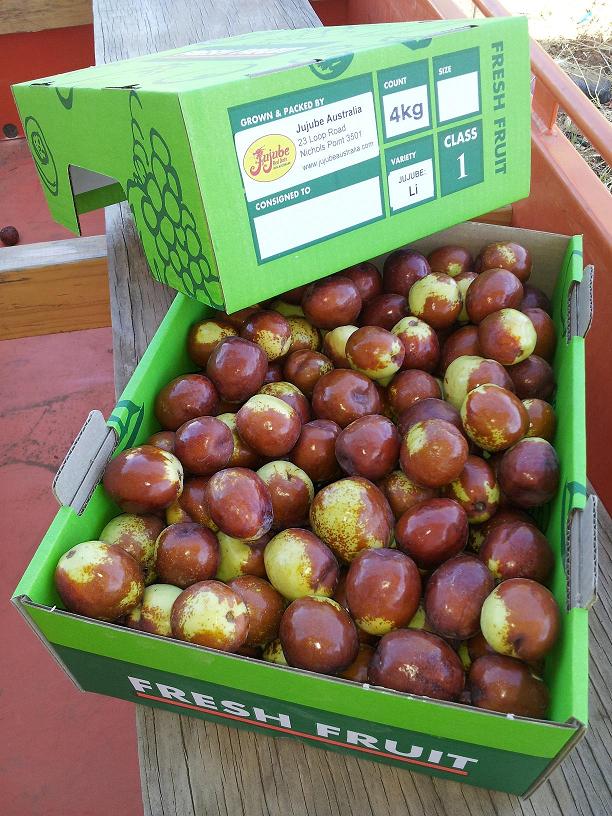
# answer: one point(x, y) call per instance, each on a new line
point(38, 15)
point(189, 767)
point(54, 286)
point(502, 216)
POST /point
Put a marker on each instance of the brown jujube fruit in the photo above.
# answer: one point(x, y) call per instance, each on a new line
point(477, 646)
point(204, 336)
point(334, 345)
point(466, 373)
point(332, 302)
point(291, 493)
point(305, 368)
point(402, 493)
point(455, 594)
point(358, 670)
point(375, 352)
point(401, 269)
point(294, 296)
point(366, 278)
point(479, 532)
point(461, 343)
point(383, 589)
point(265, 606)
point(165, 440)
point(542, 419)
point(270, 331)
point(238, 368)
point(517, 550)
point(268, 425)
point(433, 453)
point(529, 472)
point(546, 332)
point(492, 290)
point(384, 310)
point(436, 299)
point(239, 503)
point(451, 260)
point(274, 372)
point(290, 394)
point(186, 553)
point(430, 408)
point(432, 532)
point(239, 318)
point(500, 683)
point(407, 387)
point(191, 504)
point(505, 255)
point(435, 669)
point(494, 418)
point(303, 336)
point(368, 447)
point(343, 396)
point(144, 479)
point(314, 452)
point(210, 614)
point(242, 455)
point(533, 378)
point(421, 345)
point(535, 298)
point(507, 336)
point(476, 490)
point(204, 445)
point(317, 634)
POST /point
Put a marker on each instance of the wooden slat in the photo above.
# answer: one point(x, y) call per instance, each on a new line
point(54, 286)
point(189, 767)
point(38, 15)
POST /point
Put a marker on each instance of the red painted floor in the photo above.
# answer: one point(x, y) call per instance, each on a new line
point(22, 203)
point(62, 752)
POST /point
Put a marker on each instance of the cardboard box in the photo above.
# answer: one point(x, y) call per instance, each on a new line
point(446, 740)
point(265, 161)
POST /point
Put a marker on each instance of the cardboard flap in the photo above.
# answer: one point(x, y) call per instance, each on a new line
point(580, 306)
point(582, 557)
point(84, 463)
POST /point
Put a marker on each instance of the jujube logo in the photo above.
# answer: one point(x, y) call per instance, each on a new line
point(269, 158)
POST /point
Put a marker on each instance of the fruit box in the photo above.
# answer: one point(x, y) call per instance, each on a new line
point(445, 740)
point(265, 161)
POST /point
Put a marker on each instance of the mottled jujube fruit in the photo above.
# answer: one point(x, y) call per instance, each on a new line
point(375, 352)
point(479, 532)
point(421, 346)
point(383, 589)
point(451, 260)
point(468, 372)
point(239, 503)
point(298, 564)
point(204, 445)
point(542, 419)
point(505, 255)
point(533, 378)
point(186, 553)
point(153, 613)
point(461, 343)
point(264, 605)
point(545, 331)
point(332, 302)
point(402, 493)
point(517, 550)
point(476, 490)
point(165, 440)
point(137, 536)
point(145, 479)
point(535, 298)
point(433, 453)
point(402, 269)
point(500, 683)
point(315, 450)
point(368, 447)
point(242, 455)
point(268, 425)
point(384, 310)
point(270, 331)
point(303, 335)
point(237, 557)
point(366, 278)
point(204, 336)
point(464, 281)
point(334, 345)
point(520, 618)
point(417, 662)
point(529, 473)
point(436, 300)
point(317, 634)
point(408, 387)
point(211, 614)
point(492, 290)
point(273, 653)
point(351, 515)
point(291, 491)
point(358, 670)
point(430, 408)
point(432, 531)
point(477, 646)
point(238, 368)
point(191, 504)
point(507, 336)
point(305, 368)
point(343, 396)
point(494, 418)
point(455, 594)
point(290, 394)
point(274, 374)
point(99, 580)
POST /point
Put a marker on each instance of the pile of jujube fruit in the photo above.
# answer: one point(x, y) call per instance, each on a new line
point(345, 485)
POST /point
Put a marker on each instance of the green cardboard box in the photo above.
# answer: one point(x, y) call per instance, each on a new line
point(265, 161)
point(445, 740)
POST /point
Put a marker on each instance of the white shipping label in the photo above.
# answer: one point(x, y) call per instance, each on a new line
point(405, 111)
point(458, 96)
point(411, 184)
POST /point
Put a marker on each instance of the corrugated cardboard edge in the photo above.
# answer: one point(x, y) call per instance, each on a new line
point(567, 748)
point(581, 560)
point(580, 305)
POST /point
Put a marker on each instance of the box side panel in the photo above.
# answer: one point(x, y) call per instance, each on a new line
point(315, 166)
